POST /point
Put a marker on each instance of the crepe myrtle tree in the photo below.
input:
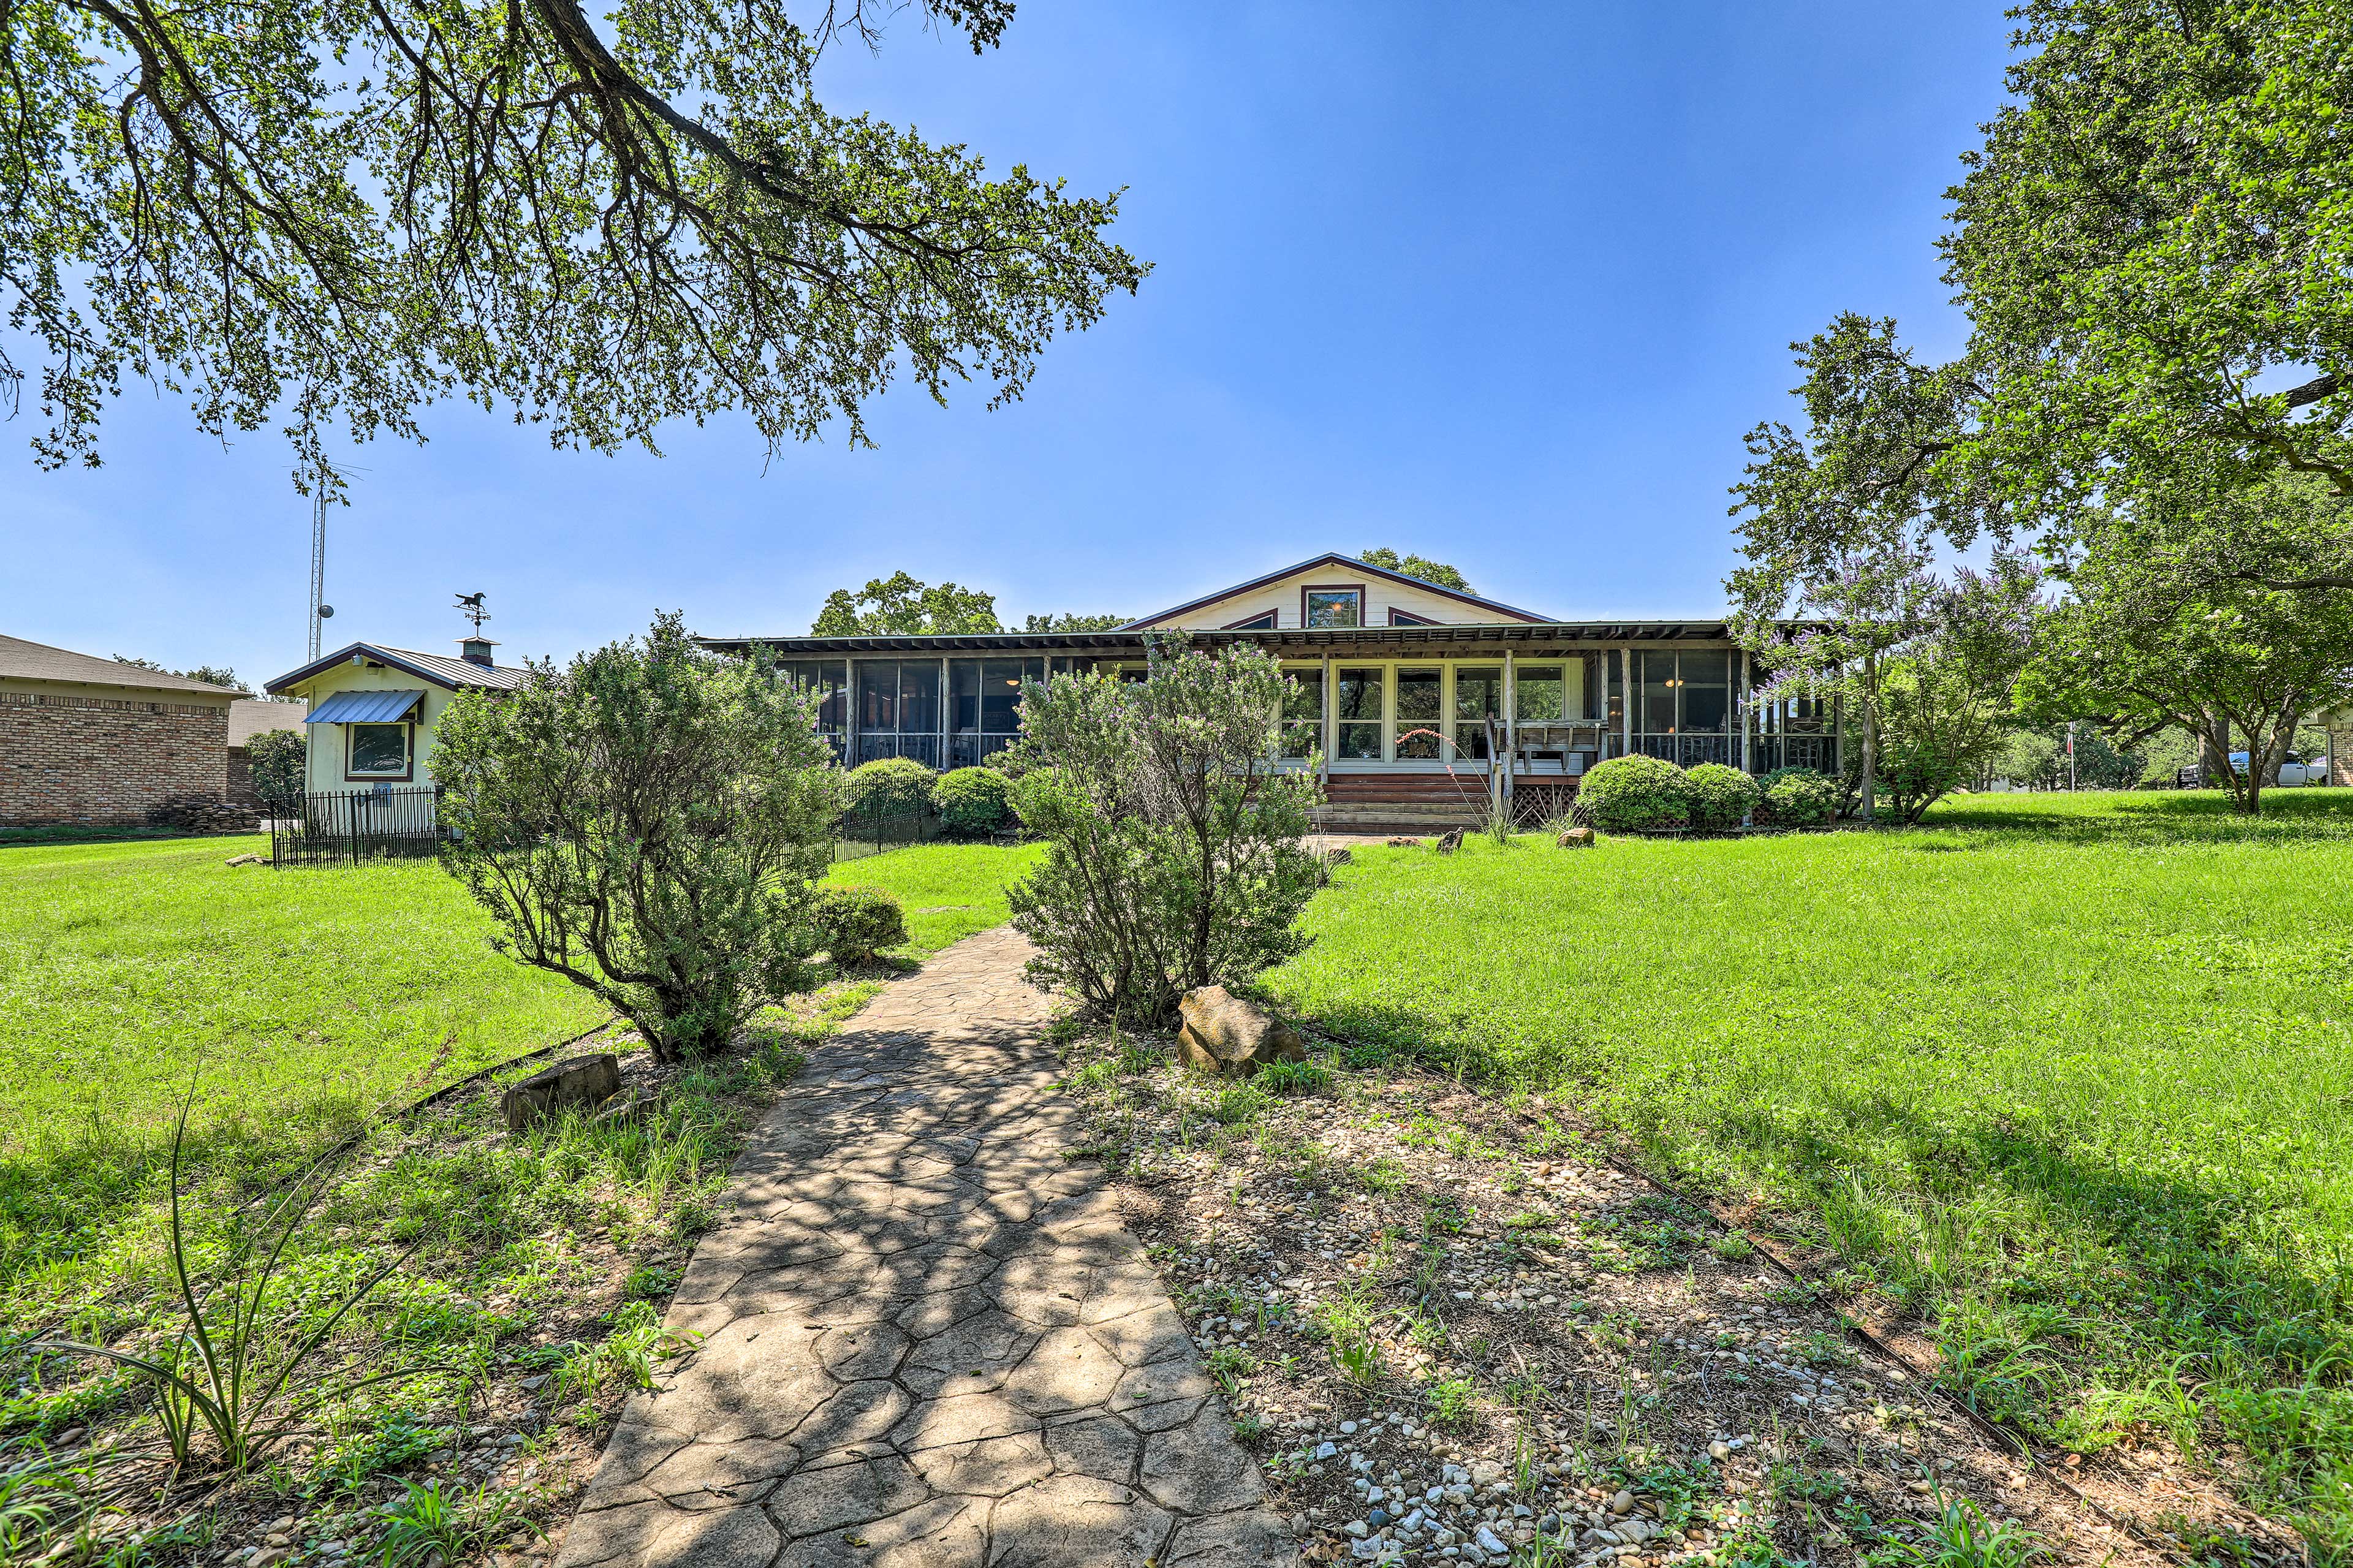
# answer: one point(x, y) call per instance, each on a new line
point(331, 214)
point(1174, 854)
point(647, 823)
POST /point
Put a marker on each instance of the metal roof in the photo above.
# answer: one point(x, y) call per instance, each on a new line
point(365, 708)
point(22, 660)
point(1486, 634)
point(449, 674)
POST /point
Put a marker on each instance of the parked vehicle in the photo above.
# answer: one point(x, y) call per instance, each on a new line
point(2293, 773)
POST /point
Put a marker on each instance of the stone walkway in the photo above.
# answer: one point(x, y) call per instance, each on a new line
point(929, 1342)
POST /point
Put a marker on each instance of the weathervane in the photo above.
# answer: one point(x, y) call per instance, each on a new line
point(471, 606)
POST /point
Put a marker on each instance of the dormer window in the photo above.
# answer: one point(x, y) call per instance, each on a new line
point(1332, 607)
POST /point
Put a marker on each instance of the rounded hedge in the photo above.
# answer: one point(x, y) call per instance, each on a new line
point(887, 787)
point(973, 802)
point(1798, 797)
point(1721, 798)
point(1627, 793)
point(857, 922)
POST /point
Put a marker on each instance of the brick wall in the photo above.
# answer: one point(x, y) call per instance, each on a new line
point(104, 760)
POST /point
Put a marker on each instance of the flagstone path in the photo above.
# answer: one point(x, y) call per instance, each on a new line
point(929, 1342)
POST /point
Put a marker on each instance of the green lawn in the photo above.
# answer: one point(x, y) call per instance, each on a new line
point(949, 890)
point(2071, 1076)
point(297, 1002)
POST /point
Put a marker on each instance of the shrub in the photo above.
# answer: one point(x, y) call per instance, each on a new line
point(280, 760)
point(887, 787)
point(1721, 798)
point(855, 924)
point(1798, 797)
point(1173, 853)
point(973, 802)
point(1633, 792)
point(647, 824)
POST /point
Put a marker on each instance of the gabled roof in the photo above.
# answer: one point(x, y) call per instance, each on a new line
point(449, 674)
point(1333, 558)
point(252, 716)
point(22, 660)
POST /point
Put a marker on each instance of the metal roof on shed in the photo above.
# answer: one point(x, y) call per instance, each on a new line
point(365, 708)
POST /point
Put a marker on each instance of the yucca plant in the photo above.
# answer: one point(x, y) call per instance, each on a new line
point(225, 1373)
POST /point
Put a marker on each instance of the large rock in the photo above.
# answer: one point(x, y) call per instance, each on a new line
point(575, 1080)
point(1576, 838)
point(1224, 1034)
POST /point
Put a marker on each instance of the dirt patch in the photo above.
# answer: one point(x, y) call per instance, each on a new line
point(1454, 1331)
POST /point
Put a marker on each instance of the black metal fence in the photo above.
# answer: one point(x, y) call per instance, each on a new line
point(870, 830)
point(348, 826)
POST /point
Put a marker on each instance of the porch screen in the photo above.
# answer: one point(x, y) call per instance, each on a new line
point(1539, 695)
point(984, 704)
point(1418, 713)
point(826, 679)
point(1302, 713)
point(1478, 697)
point(1359, 700)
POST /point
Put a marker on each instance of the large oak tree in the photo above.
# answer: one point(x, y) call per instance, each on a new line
point(333, 212)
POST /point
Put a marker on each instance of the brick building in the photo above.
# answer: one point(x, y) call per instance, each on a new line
point(86, 739)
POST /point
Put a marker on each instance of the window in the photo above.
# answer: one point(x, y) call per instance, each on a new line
point(1332, 607)
point(1417, 710)
point(1360, 714)
point(1478, 697)
point(1259, 622)
point(1302, 713)
point(1540, 696)
point(1408, 618)
point(378, 750)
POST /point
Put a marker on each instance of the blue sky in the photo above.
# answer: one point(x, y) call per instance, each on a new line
point(1500, 285)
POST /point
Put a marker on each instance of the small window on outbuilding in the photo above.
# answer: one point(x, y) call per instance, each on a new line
point(378, 750)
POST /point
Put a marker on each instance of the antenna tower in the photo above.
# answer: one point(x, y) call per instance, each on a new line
point(314, 613)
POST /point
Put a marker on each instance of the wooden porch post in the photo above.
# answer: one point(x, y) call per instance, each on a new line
point(1331, 718)
point(1626, 697)
point(850, 715)
point(1510, 734)
point(946, 761)
point(1747, 751)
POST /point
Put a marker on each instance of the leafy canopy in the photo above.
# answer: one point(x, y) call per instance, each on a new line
point(2154, 251)
point(900, 605)
point(335, 213)
point(1421, 566)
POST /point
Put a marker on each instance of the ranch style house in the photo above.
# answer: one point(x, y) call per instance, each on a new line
point(1423, 701)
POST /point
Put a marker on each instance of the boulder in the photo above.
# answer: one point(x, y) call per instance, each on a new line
point(1224, 1034)
point(1450, 841)
point(573, 1082)
point(1576, 838)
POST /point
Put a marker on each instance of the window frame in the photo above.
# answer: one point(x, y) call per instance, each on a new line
point(408, 774)
point(1355, 589)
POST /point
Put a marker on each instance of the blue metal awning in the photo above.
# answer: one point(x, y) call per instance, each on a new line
point(365, 708)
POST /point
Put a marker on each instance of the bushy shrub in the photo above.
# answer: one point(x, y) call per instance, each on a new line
point(1628, 794)
point(279, 760)
point(1173, 854)
point(855, 924)
point(646, 823)
point(1721, 798)
point(1798, 797)
point(973, 802)
point(887, 786)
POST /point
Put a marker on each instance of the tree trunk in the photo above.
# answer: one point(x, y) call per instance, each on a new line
point(1870, 739)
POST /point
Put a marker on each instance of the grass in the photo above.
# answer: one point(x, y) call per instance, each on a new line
point(298, 1002)
point(2070, 1076)
point(949, 890)
point(309, 1003)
